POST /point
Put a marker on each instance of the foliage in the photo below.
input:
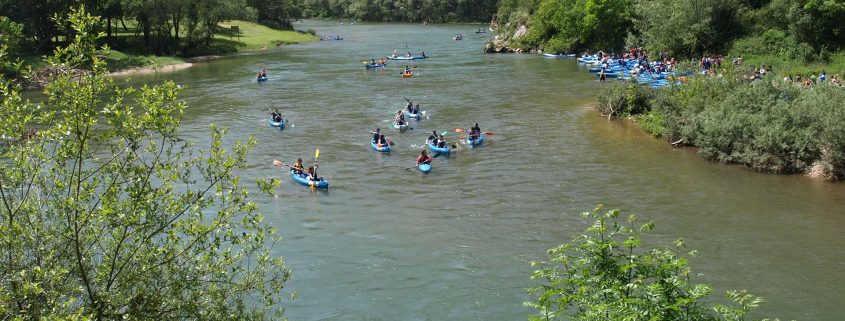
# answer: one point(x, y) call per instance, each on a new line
point(605, 273)
point(624, 99)
point(802, 29)
point(687, 27)
point(106, 213)
point(277, 12)
point(572, 25)
point(163, 27)
point(653, 122)
point(768, 125)
point(11, 35)
point(403, 10)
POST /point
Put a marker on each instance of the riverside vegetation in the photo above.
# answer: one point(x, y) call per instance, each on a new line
point(142, 32)
point(768, 125)
point(605, 273)
point(106, 213)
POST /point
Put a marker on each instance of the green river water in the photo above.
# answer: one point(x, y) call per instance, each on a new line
point(386, 243)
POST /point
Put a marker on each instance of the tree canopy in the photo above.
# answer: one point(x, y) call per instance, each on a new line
point(107, 213)
point(806, 28)
point(165, 26)
point(404, 10)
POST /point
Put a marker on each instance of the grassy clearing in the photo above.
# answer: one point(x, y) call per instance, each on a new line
point(834, 65)
point(255, 36)
point(128, 50)
point(118, 60)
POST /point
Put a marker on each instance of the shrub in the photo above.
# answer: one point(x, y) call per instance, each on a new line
point(624, 99)
point(653, 122)
point(609, 272)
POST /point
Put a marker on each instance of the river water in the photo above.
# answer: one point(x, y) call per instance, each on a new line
point(387, 243)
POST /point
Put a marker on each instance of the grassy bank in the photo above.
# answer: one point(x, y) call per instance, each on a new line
point(127, 50)
point(769, 124)
point(835, 64)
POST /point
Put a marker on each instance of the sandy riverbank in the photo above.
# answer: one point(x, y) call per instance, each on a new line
point(151, 69)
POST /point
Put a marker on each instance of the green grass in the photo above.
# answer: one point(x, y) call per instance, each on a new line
point(118, 60)
point(834, 65)
point(128, 51)
point(254, 36)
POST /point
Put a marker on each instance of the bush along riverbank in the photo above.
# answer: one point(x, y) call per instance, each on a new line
point(772, 124)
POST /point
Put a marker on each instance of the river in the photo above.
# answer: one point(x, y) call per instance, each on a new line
point(387, 243)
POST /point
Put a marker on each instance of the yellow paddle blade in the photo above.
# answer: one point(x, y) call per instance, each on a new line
point(316, 154)
point(277, 162)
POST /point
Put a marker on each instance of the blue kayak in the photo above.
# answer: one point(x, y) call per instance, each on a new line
point(303, 180)
point(406, 58)
point(425, 168)
point(383, 149)
point(260, 79)
point(280, 124)
point(435, 149)
point(414, 116)
point(476, 142)
point(374, 66)
point(548, 55)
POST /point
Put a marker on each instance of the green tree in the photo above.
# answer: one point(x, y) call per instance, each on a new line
point(106, 213)
point(688, 27)
point(11, 36)
point(605, 274)
point(572, 25)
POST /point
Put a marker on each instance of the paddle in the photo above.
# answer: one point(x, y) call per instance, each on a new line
point(460, 130)
point(311, 183)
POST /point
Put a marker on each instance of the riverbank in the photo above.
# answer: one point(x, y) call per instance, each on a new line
point(250, 37)
point(241, 37)
point(771, 124)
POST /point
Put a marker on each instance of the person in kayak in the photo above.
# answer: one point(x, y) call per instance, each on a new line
point(441, 142)
point(474, 132)
point(312, 173)
point(277, 116)
point(394, 53)
point(262, 73)
point(297, 167)
point(381, 141)
point(424, 158)
point(423, 54)
point(400, 118)
point(416, 109)
point(376, 135)
point(433, 138)
point(407, 70)
point(410, 107)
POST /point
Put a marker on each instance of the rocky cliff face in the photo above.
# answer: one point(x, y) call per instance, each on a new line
point(504, 41)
